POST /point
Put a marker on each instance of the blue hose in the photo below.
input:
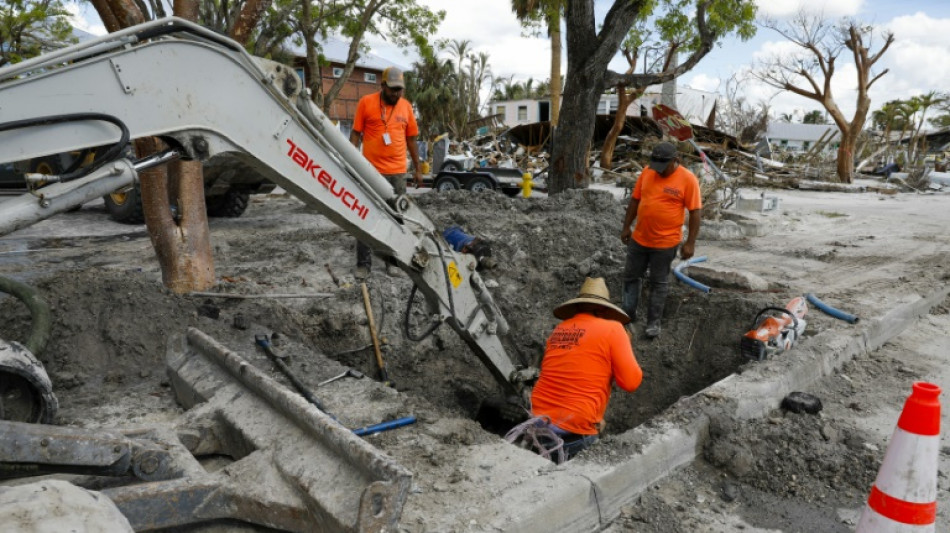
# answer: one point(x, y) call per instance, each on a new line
point(385, 426)
point(827, 309)
point(688, 280)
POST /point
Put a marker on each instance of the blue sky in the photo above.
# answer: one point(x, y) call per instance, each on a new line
point(917, 61)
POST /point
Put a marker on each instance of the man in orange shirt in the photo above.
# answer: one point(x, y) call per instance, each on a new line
point(386, 126)
point(664, 192)
point(585, 354)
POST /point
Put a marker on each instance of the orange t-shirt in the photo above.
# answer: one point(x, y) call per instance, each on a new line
point(583, 353)
point(373, 118)
point(663, 206)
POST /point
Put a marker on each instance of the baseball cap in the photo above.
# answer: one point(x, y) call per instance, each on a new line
point(662, 155)
point(392, 77)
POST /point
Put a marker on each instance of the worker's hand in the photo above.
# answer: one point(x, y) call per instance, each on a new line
point(601, 426)
point(625, 236)
point(417, 177)
point(687, 250)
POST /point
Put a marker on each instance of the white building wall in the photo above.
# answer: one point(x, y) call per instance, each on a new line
point(693, 104)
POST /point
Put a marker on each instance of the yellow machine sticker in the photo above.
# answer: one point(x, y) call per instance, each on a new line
point(454, 275)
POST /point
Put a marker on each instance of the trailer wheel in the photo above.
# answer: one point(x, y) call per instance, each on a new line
point(480, 184)
point(125, 206)
point(451, 166)
point(447, 183)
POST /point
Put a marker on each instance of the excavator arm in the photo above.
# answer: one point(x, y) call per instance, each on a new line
point(204, 95)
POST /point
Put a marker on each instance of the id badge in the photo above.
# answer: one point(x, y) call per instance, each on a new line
point(386, 139)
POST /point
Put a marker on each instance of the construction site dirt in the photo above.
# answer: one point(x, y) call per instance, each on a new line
point(863, 253)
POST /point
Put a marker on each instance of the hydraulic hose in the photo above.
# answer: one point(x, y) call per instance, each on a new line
point(114, 151)
point(688, 280)
point(448, 286)
point(39, 312)
point(831, 311)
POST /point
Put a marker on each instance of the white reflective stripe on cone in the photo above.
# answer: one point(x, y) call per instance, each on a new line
point(902, 475)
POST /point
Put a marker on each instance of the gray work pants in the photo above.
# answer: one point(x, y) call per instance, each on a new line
point(364, 256)
point(639, 260)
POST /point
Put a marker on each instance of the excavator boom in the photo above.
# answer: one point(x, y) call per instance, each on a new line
point(204, 95)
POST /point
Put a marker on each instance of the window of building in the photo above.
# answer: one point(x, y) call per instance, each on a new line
point(301, 75)
point(500, 110)
point(337, 72)
point(783, 143)
point(805, 145)
point(369, 77)
point(522, 112)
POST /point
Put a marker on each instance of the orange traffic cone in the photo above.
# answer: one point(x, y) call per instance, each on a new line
point(904, 496)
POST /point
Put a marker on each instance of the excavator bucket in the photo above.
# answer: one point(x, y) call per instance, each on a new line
point(26, 393)
point(296, 468)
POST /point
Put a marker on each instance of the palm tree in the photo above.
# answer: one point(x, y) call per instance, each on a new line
point(886, 118)
point(550, 12)
point(924, 102)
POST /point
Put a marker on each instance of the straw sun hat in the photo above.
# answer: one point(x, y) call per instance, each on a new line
point(593, 291)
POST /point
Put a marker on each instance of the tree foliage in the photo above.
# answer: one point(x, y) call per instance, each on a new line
point(446, 86)
point(29, 28)
point(697, 24)
point(308, 23)
point(815, 116)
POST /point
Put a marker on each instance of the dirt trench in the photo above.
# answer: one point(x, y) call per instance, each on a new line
point(111, 319)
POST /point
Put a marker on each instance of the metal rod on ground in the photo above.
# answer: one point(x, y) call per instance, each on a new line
point(383, 375)
point(249, 296)
point(264, 342)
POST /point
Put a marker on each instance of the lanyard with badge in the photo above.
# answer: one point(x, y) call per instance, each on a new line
point(387, 140)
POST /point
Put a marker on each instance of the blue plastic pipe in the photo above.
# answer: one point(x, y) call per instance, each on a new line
point(831, 311)
point(688, 280)
point(385, 426)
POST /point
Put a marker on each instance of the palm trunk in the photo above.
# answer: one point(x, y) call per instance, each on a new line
point(620, 119)
point(554, 29)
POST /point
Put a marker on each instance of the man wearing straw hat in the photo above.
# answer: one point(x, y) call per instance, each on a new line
point(585, 354)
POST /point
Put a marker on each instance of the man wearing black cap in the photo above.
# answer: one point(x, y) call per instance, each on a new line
point(664, 192)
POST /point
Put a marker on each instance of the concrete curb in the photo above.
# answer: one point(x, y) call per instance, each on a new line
point(683, 429)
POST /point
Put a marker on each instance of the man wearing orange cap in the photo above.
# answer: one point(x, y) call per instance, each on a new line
point(585, 355)
point(386, 127)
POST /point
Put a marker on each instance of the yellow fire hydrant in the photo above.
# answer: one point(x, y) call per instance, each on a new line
point(526, 185)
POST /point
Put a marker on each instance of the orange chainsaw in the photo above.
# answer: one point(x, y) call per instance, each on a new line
point(771, 335)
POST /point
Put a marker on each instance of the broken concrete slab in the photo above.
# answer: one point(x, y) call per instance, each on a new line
point(724, 277)
point(720, 230)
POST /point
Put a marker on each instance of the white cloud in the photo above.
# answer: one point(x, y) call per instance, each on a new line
point(491, 27)
point(915, 62)
point(790, 8)
point(704, 82)
point(81, 18)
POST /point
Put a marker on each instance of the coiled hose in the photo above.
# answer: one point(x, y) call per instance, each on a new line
point(39, 312)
